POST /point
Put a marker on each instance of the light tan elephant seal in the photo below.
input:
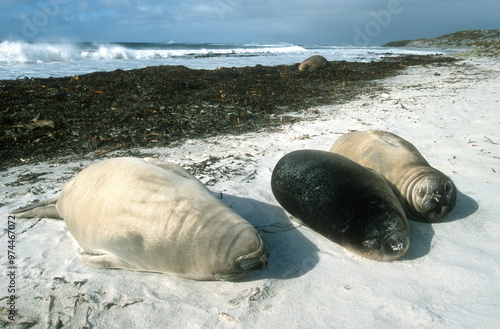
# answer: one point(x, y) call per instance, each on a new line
point(425, 193)
point(148, 215)
point(313, 63)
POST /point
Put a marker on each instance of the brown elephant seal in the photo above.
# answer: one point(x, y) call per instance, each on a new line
point(313, 63)
point(344, 201)
point(425, 193)
point(148, 215)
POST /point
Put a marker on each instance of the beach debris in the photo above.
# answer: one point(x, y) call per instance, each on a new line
point(43, 123)
point(37, 123)
point(158, 106)
point(248, 295)
point(305, 136)
point(95, 156)
point(226, 316)
point(487, 139)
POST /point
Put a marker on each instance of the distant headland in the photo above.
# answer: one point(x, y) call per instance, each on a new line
point(473, 42)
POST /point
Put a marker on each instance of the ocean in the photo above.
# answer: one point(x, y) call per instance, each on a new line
point(57, 59)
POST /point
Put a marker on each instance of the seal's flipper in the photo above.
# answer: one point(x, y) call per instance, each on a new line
point(42, 209)
point(103, 261)
point(178, 170)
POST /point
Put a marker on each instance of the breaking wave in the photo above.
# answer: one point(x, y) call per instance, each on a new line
point(17, 52)
point(51, 59)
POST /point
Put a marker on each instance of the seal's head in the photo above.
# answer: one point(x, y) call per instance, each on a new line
point(304, 67)
point(387, 241)
point(433, 197)
point(247, 253)
point(256, 260)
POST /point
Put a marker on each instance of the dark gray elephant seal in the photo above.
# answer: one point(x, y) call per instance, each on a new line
point(344, 201)
point(148, 215)
point(313, 63)
point(425, 193)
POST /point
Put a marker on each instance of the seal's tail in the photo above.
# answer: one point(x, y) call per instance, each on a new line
point(46, 209)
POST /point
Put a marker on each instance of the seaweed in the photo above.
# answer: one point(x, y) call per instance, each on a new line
point(44, 119)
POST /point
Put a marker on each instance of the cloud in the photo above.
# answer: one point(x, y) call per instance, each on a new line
point(311, 22)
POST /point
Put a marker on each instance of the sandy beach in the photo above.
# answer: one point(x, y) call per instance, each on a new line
point(447, 279)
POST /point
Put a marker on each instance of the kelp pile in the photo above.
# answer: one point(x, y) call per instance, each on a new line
point(91, 114)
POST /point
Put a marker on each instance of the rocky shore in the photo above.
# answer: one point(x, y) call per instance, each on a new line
point(92, 114)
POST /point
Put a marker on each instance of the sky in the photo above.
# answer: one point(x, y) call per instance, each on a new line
point(312, 22)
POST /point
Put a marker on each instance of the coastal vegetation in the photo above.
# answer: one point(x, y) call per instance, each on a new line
point(472, 43)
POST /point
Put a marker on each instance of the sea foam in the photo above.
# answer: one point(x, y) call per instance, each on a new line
point(56, 59)
point(15, 52)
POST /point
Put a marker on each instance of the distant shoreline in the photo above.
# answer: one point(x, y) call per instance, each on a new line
point(472, 43)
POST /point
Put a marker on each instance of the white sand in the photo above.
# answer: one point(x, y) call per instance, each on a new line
point(449, 277)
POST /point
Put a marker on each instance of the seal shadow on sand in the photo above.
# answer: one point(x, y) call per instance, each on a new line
point(464, 207)
point(291, 254)
point(421, 233)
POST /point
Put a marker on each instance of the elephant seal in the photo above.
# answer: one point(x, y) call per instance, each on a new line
point(425, 193)
point(149, 215)
point(313, 63)
point(344, 201)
